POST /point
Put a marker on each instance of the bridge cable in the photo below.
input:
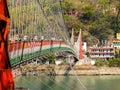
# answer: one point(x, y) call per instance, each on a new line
point(78, 78)
point(54, 20)
point(45, 16)
point(53, 80)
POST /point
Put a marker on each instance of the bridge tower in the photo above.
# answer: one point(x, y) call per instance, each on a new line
point(72, 37)
point(79, 42)
point(6, 79)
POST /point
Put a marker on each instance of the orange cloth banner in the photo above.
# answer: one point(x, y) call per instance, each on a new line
point(6, 79)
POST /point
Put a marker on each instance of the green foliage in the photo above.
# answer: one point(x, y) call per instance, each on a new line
point(100, 62)
point(114, 62)
point(118, 18)
point(104, 4)
point(67, 6)
point(51, 58)
point(72, 22)
point(117, 53)
point(101, 28)
point(91, 40)
point(118, 6)
point(87, 14)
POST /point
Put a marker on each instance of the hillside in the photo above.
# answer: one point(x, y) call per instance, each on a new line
point(98, 19)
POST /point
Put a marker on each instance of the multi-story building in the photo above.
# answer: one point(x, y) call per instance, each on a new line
point(102, 52)
point(116, 43)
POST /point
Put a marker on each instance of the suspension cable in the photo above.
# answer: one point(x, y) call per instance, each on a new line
point(78, 78)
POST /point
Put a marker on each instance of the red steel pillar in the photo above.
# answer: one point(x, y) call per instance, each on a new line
point(6, 79)
point(80, 45)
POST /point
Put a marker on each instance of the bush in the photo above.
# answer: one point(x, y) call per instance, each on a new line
point(100, 62)
point(114, 62)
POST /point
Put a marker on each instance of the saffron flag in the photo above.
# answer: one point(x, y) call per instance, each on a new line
point(6, 79)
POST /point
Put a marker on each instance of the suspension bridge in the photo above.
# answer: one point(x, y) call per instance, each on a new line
point(31, 29)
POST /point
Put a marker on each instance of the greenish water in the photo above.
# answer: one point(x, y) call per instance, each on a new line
point(69, 82)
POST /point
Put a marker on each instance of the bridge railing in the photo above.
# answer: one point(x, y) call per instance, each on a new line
point(34, 49)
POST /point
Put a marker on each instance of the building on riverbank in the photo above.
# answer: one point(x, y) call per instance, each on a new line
point(104, 52)
point(116, 43)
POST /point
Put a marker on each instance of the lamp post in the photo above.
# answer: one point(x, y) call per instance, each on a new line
point(52, 39)
point(41, 41)
point(60, 43)
point(25, 38)
point(35, 38)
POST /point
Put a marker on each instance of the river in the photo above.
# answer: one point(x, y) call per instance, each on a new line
point(108, 82)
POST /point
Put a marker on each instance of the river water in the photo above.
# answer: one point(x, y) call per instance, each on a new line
point(108, 82)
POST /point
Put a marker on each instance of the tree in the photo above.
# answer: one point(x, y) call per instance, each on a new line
point(117, 18)
point(104, 5)
point(91, 40)
point(67, 6)
point(87, 14)
point(101, 28)
point(72, 22)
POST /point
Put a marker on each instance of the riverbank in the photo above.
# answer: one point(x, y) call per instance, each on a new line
point(93, 70)
point(61, 69)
